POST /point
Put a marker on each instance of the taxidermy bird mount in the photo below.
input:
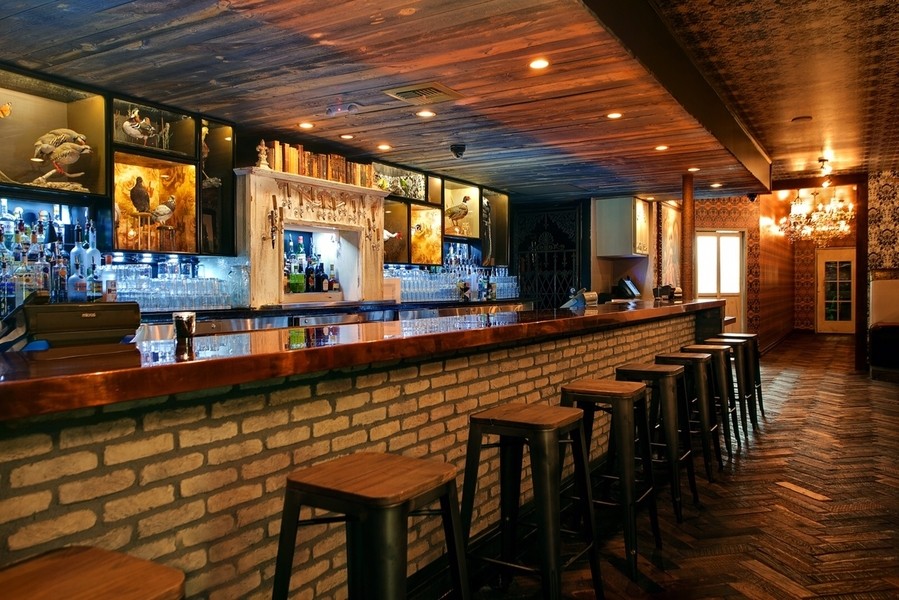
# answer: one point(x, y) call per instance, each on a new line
point(164, 212)
point(140, 196)
point(458, 212)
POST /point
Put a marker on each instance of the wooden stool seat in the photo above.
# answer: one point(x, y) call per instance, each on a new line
point(605, 388)
point(537, 417)
point(86, 573)
point(376, 493)
point(670, 419)
point(628, 439)
point(543, 428)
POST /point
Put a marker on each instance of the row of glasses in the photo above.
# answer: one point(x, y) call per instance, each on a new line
point(156, 295)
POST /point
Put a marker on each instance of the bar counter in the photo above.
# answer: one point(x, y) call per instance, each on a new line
point(183, 460)
point(35, 383)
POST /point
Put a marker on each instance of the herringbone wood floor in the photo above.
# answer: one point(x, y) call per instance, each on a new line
point(808, 509)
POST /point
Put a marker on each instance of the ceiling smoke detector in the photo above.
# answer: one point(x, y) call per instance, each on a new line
point(423, 93)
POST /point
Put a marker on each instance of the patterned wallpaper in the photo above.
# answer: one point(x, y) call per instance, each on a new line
point(883, 220)
point(738, 213)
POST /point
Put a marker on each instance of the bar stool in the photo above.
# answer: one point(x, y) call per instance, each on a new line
point(626, 402)
point(745, 392)
point(722, 388)
point(696, 388)
point(542, 428)
point(87, 573)
point(755, 372)
point(662, 381)
point(376, 493)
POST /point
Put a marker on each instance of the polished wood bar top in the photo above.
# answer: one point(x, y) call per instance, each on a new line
point(34, 383)
point(373, 478)
point(86, 573)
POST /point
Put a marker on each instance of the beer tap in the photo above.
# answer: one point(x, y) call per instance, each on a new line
point(273, 222)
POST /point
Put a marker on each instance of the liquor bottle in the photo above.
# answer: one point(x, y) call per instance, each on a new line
point(58, 279)
point(92, 261)
point(301, 251)
point(108, 282)
point(41, 270)
point(310, 274)
point(5, 254)
point(333, 283)
point(7, 289)
point(290, 259)
point(320, 277)
point(23, 278)
point(76, 285)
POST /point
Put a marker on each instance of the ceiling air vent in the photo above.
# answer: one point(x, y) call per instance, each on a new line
point(423, 93)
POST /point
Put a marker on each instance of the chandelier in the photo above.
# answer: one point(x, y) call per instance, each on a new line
point(820, 223)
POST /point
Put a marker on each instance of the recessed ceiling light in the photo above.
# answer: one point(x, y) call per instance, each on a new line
point(306, 125)
point(347, 136)
point(384, 147)
point(539, 63)
point(228, 139)
point(613, 115)
point(650, 198)
point(426, 114)
point(716, 185)
point(693, 169)
point(801, 119)
point(661, 147)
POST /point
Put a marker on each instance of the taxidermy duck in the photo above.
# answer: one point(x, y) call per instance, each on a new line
point(66, 154)
point(140, 197)
point(47, 143)
point(458, 212)
point(138, 128)
point(163, 212)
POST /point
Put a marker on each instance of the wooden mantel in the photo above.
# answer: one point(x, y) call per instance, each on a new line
point(268, 201)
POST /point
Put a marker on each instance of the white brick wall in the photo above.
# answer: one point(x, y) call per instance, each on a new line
point(195, 481)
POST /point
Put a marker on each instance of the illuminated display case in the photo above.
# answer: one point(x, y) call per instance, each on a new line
point(54, 136)
point(494, 228)
point(424, 239)
point(155, 204)
point(461, 209)
point(146, 126)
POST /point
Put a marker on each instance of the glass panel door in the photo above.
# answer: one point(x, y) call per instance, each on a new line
point(835, 304)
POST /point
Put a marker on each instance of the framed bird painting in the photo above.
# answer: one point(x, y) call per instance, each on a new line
point(155, 204)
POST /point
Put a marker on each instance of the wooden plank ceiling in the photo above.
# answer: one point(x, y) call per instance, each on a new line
point(269, 64)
